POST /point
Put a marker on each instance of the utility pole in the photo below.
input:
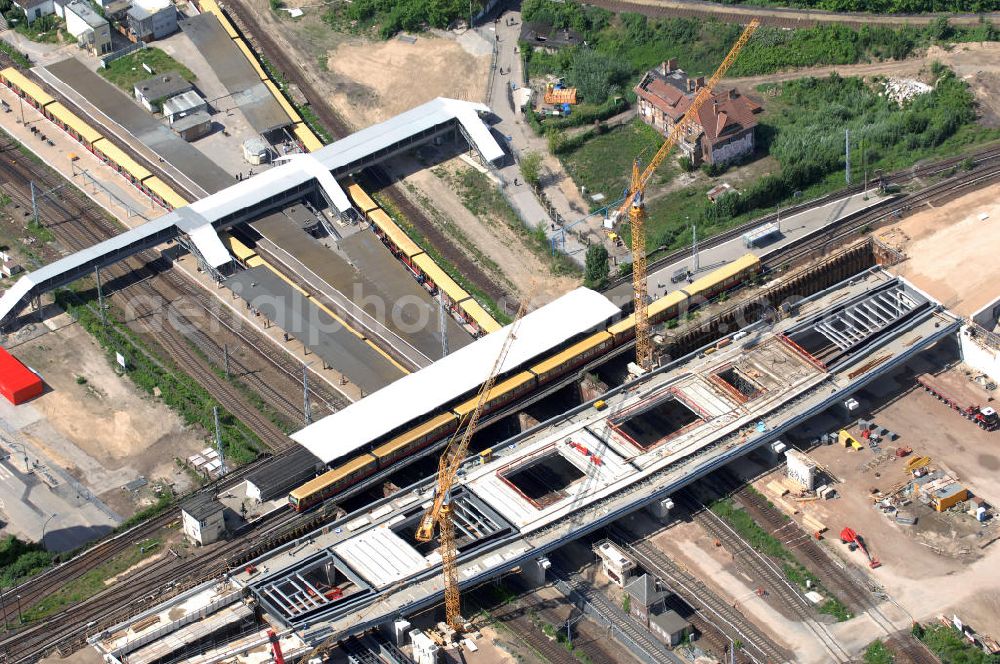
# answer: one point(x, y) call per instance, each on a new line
point(847, 155)
point(306, 406)
point(34, 202)
point(218, 440)
point(100, 299)
point(225, 358)
point(694, 248)
point(443, 324)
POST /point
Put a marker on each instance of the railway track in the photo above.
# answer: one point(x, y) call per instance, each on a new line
point(986, 172)
point(984, 159)
point(285, 62)
point(713, 615)
point(66, 631)
point(81, 224)
point(766, 573)
point(850, 589)
point(622, 622)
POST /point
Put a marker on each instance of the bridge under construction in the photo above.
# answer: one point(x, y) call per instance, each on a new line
point(574, 474)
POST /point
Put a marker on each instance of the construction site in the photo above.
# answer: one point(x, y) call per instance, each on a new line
point(784, 455)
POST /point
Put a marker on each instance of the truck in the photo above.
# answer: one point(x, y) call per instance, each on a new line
point(960, 399)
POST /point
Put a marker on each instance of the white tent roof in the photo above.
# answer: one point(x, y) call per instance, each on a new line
point(464, 370)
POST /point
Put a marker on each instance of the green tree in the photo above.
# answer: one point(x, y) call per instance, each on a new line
point(596, 268)
point(531, 168)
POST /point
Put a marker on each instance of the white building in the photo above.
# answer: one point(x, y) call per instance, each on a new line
point(203, 520)
point(35, 9)
point(92, 32)
point(801, 468)
point(614, 563)
point(152, 19)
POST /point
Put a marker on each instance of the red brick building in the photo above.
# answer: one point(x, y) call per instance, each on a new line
point(724, 127)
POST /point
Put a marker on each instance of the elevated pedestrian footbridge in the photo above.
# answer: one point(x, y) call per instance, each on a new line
point(299, 176)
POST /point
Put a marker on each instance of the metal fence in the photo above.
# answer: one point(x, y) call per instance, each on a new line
point(121, 53)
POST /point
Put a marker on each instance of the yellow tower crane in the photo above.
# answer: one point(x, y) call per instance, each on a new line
point(440, 512)
point(634, 206)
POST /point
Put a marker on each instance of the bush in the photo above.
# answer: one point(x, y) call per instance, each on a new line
point(596, 269)
point(686, 164)
point(20, 560)
point(531, 165)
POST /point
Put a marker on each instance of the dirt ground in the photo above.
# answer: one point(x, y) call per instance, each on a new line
point(941, 243)
point(109, 432)
point(394, 76)
point(516, 266)
point(936, 566)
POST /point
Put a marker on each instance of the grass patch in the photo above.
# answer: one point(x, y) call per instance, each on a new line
point(414, 234)
point(90, 583)
point(877, 653)
point(603, 164)
point(951, 648)
point(162, 504)
point(482, 198)
point(125, 72)
point(177, 390)
point(20, 59)
point(767, 544)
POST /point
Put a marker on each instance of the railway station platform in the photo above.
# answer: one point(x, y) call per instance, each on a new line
point(376, 283)
point(300, 318)
point(121, 116)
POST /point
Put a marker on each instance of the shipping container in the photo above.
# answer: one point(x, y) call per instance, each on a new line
point(17, 382)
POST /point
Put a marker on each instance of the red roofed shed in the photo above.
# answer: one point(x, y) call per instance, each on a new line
point(17, 383)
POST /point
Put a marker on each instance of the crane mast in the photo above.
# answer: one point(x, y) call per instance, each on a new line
point(634, 205)
point(440, 512)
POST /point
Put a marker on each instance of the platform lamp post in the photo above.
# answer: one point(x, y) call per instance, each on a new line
point(44, 525)
point(306, 405)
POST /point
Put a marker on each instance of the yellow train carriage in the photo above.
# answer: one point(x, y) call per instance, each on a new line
point(361, 199)
point(700, 291)
point(72, 124)
point(163, 194)
point(415, 439)
point(239, 251)
point(502, 393)
point(399, 242)
point(306, 137)
point(722, 279)
point(436, 279)
point(116, 158)
point(26, 88)
point(577, 354)
point(477, 316)
point(331, 482)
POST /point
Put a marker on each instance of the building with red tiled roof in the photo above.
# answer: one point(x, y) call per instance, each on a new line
point(724, 127)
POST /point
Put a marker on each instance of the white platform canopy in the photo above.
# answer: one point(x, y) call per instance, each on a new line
point(427, 390)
